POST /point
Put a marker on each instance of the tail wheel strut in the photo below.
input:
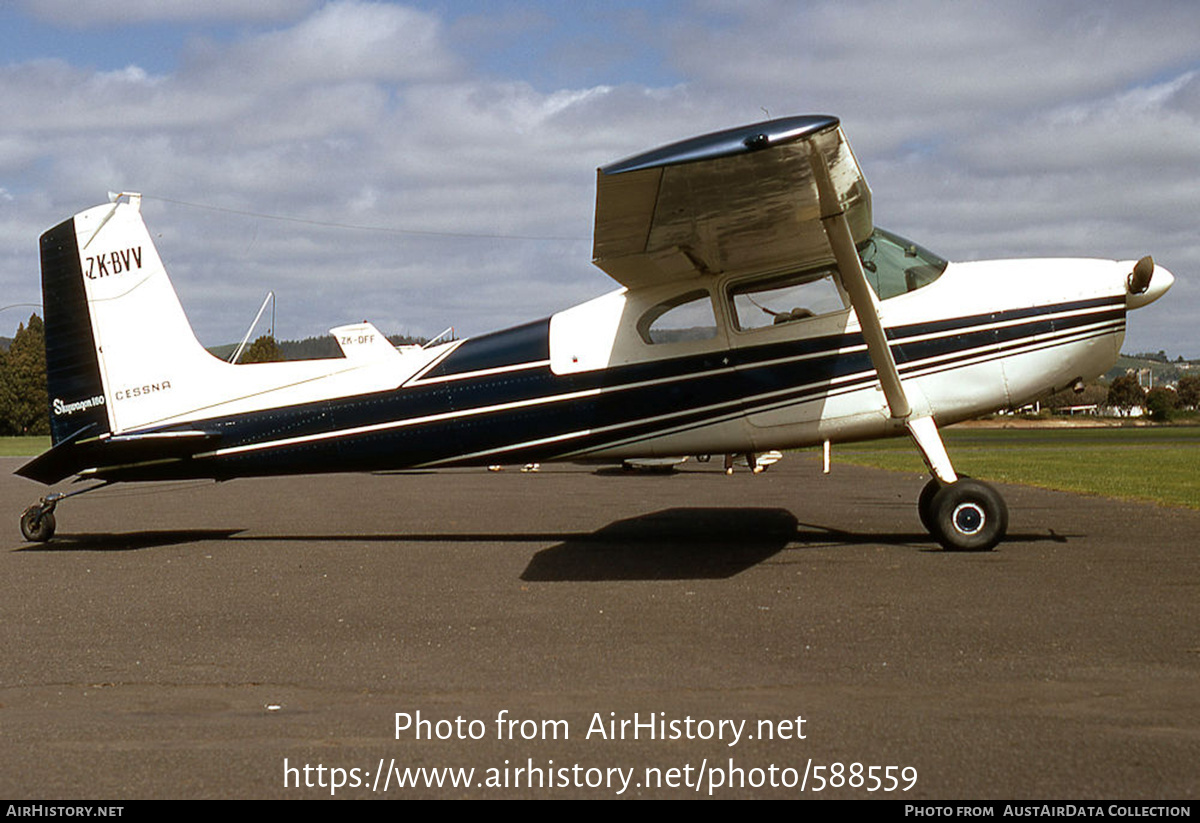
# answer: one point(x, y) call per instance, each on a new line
point(38, 522)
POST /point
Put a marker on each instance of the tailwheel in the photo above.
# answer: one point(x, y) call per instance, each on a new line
point(37, 523)
point(966, 516)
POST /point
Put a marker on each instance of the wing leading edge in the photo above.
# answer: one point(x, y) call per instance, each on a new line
point(741, 200)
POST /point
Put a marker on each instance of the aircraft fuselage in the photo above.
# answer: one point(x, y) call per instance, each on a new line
point(967, 344)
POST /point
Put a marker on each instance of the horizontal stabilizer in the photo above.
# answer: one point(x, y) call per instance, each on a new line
point(80, 453)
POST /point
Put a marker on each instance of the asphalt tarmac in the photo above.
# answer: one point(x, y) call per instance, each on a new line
point(214, 640)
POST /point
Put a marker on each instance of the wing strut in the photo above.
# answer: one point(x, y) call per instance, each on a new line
point(833, 218)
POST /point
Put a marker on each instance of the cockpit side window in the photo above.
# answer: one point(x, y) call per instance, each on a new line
point(894, 265)
point(682, 318)
point(785, 299)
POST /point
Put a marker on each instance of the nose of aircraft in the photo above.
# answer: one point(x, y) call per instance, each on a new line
point(1146, 283)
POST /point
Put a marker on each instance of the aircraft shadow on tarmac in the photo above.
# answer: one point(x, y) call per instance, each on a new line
point(671, 544)
point(700, 543)
point(128, 541)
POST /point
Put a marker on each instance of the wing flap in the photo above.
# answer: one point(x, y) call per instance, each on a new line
point(739, 200)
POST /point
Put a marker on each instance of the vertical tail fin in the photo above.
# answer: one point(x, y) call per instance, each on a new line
point(120, 352)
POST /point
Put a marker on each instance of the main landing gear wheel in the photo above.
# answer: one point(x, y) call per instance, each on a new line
point(965, 515)
point(37, 524)
point(925, 503)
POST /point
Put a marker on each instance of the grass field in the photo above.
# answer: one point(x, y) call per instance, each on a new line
point(23, 446)
point(1161, 464)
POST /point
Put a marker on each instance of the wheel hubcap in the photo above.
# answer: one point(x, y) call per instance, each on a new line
point(968, 518)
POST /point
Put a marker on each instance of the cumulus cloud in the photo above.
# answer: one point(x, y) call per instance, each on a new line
point(990, 130)
point(984, 129)
point(80, 13)
point(340, 42)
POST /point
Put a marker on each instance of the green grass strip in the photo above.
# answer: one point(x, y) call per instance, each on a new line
point(23, 446)
point(1160, 464)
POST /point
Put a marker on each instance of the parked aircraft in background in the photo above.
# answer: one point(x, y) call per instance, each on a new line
point(760, 308)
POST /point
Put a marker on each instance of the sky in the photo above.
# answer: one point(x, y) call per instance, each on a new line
point(432, 163)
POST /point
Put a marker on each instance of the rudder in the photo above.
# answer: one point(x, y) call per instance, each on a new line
point(75, 389)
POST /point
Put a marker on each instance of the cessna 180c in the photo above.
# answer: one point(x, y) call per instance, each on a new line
point(760, 309)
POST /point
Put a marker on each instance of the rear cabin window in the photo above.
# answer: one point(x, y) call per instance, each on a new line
point(686, 317)
point(785, 299)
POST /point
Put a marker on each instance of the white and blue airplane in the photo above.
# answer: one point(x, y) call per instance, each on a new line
point(759, 309)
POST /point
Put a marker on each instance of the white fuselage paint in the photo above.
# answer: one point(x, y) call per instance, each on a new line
point(602, 333)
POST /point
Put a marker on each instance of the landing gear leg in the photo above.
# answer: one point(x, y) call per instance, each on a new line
point(960, 517)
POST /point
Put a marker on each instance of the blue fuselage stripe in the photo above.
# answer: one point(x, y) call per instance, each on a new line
point(532, 414)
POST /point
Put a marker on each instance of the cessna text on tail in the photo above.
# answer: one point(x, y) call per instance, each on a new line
point(759, 308)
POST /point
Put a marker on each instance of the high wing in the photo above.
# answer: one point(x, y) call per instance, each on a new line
point(741, 200)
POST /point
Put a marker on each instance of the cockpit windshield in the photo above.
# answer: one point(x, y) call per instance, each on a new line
point(894, 265)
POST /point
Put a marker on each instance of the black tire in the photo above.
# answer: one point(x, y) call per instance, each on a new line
point(37, 527)
point(969, 516)
point(925, 503)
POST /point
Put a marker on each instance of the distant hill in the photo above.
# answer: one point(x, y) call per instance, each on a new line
point(1163, 369)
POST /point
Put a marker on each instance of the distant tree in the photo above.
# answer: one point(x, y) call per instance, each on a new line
point(1161, 403)
point(1189, 391)
point(1124, 393)
point(6, 397)
point(317, 348)
point(262, 350)
point(310, 348)
point(1159, 356)
point(26, 409)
